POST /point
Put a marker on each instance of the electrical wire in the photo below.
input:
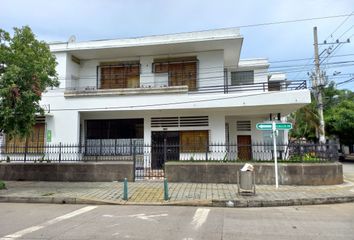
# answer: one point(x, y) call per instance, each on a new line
point(161, 104)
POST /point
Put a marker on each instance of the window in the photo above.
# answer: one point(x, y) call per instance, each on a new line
point(32, 144)
point(194, 141)
point(242, 78)
point(115, 129)
point(181, 71)
point(120, 76)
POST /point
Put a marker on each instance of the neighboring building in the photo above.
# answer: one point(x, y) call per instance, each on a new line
point(186, 88)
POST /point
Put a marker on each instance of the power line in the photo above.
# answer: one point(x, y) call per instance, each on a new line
point(348, 16)
point(347, 81)
point(161, 104)
point(303, 59)
point(346, 19)
point(295, 20)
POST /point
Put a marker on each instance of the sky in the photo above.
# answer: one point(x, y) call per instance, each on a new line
point(54, 20)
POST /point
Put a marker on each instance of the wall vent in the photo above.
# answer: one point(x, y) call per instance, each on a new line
point(243, 125)
point(164, 122)
point(190, 121)
point(196, 121)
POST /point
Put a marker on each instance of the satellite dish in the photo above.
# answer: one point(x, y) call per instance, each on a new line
point(72, 39)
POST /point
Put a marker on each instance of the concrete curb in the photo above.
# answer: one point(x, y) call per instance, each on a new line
point(283, 202)
point(194, 203)
point(54, 200)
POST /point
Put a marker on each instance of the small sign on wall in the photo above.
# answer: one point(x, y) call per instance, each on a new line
point(49, 135)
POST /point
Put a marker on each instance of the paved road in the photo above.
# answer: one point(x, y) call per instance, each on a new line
point(43, 221)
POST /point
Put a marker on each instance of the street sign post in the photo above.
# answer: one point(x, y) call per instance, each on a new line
point(274, 131)
point(273, 126)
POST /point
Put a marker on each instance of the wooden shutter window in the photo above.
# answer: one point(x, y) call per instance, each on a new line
point(181, 71)
point(194, 141)
point(120, 76)
point(32, 144)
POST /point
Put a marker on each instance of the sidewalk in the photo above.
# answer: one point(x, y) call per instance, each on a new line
point(186, 194)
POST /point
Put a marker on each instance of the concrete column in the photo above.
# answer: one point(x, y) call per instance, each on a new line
point(217, 128)
point(147, 130)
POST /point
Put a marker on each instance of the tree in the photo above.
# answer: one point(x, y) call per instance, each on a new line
point(27, 68)
point(306, 122)
point(340, 121)
point(338, 115)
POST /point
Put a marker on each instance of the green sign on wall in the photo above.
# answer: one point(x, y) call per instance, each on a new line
point(49, 135)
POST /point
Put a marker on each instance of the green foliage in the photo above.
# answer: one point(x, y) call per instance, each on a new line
point(8, 159)
point(27, 68)
point(2, 185)
point(305, 122)
point(338, 114)
point(340, 121)
point(308, 157)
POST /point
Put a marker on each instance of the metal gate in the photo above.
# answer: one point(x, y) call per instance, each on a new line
point(151, 163)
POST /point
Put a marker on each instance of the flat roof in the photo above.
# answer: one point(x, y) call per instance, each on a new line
point(207, 35)
point(228, 40)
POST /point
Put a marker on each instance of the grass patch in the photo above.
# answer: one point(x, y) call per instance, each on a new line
point(290, 160)
point(2, 185)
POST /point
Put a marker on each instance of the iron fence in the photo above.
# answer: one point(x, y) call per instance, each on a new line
point(155, 155)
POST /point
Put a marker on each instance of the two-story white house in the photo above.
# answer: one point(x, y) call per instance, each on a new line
point(185, 88)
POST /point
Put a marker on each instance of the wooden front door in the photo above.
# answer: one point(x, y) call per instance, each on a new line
point(244, 147)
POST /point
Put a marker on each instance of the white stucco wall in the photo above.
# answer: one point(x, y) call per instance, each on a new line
point(65, 126)
point(210, 69)
point(61, 58)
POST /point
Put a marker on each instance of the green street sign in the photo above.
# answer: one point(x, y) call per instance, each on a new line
point(278, 126)
point(283, 126)
point(264, 126)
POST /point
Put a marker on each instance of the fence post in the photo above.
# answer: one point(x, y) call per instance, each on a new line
point(25, 154)
point(164, 150)
point(60, 152)
point(134, 159)
point(206, 151)
point(85, 147)
point(115, 146)
point(100, 147)
point(299, 152)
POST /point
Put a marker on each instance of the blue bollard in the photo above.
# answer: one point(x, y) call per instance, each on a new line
point(125, 190)
point(165, 188)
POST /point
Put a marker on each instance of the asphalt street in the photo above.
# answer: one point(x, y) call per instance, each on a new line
point(43, 221)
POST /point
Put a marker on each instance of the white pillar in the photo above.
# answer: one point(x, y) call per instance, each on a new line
point(217, 128)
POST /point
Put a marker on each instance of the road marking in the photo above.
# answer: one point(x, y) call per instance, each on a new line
point(141, 216)
point(200, 216)
point(48, 223)
point(148, 217)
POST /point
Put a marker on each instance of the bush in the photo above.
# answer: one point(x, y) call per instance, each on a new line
point(2, 185)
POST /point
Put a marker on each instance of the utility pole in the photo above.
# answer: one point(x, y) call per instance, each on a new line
point(317, 84)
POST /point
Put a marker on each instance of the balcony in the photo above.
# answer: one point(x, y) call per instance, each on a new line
point(270, 86)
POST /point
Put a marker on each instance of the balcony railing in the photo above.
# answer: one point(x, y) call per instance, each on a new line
point(259, 87)
point(270, 86)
